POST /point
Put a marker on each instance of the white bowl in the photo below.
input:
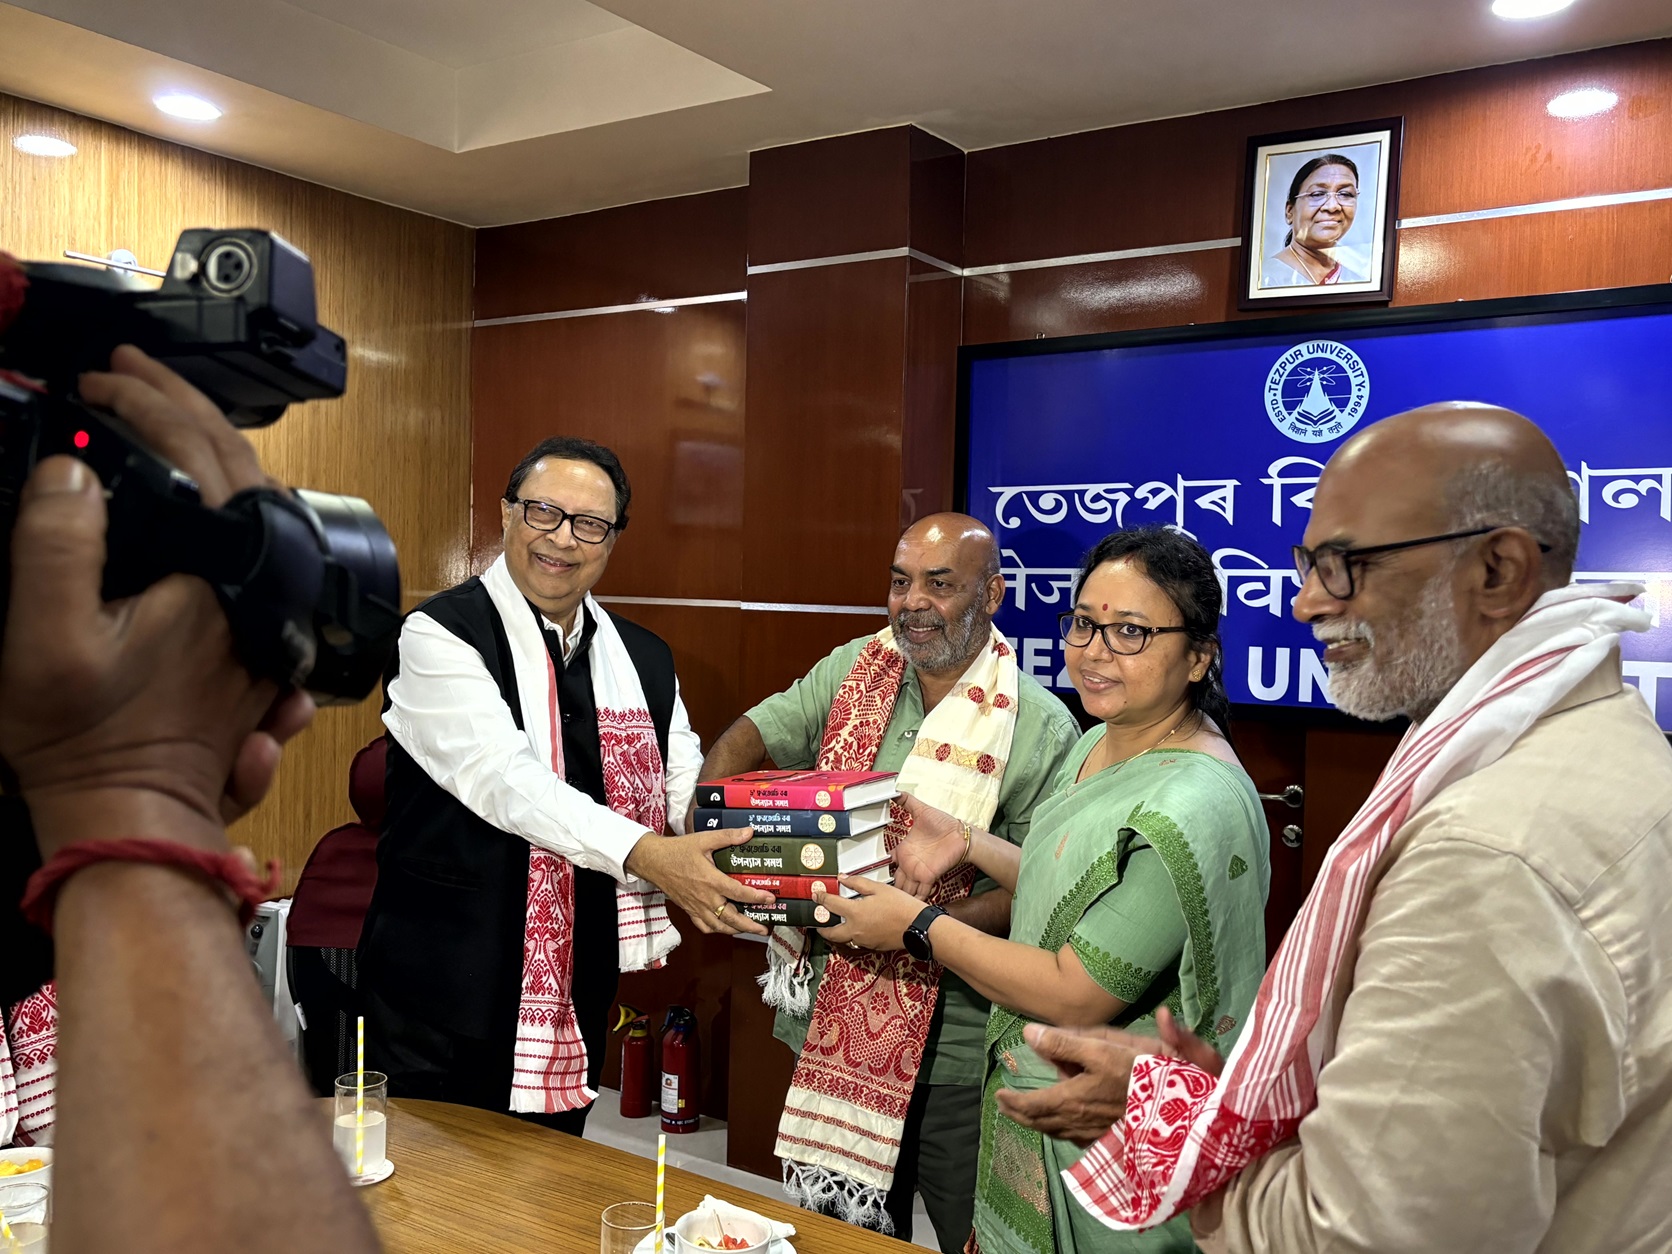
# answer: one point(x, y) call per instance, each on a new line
point(22, 1154)
point(708, 1224)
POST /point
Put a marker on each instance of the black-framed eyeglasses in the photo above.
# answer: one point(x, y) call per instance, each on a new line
point(1127, 638)
point(1335, 565)
point(584, 527)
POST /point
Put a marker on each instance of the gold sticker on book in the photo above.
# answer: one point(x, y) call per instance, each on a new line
point(827, 822)
point(822, 798)
point(812, 857)
point(821, 915)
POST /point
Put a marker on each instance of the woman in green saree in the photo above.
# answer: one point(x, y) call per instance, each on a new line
point(1142, 882)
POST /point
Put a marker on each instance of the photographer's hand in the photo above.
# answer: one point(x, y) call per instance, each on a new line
point(133, 718)
point(136, 719)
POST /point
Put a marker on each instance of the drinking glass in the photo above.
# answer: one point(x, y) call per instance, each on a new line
point(624, 1225)
point(374, 1124)
point(27, 1211)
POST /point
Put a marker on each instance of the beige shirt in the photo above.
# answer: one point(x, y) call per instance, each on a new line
point(1502, 1079)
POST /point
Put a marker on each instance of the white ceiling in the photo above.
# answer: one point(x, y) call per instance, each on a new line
point(498, 111)
point(441, 30)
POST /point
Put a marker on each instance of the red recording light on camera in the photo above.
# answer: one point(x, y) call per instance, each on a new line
point(82, 439)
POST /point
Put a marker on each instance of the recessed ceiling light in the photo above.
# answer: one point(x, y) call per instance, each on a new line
point(1520, 10)
point(44, 146)
point(1585, 102)
point(180, 105)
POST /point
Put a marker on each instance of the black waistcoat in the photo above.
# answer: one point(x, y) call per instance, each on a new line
point(443, 938)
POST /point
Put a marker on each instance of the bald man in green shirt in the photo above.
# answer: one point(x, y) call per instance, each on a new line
point(944, 588)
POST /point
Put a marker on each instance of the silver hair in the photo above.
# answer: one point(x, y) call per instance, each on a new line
point(1491, 493)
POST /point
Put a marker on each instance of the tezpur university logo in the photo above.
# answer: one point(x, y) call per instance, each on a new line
point(1317, 391)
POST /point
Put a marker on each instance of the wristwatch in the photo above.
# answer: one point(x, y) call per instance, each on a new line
point(916, 937)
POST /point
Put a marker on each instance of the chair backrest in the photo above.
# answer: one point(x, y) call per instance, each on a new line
point(335, 888)
point(326, 914)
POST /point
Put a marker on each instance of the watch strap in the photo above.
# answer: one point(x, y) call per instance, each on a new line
point(919, 932)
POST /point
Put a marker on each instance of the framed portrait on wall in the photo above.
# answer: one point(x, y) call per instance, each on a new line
point(1318, 223)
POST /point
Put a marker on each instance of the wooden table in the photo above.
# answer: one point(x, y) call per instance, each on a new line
point(472, 1180)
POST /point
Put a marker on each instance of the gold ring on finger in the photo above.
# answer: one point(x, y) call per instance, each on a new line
point(721, 908)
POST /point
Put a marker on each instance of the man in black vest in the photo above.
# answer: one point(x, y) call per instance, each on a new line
point(537, 747)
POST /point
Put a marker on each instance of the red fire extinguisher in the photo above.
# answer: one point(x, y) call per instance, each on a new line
point(636, 1064)
point(681, 1109)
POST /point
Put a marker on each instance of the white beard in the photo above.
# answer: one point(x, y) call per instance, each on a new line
point(957, 645)
point(1409, 668)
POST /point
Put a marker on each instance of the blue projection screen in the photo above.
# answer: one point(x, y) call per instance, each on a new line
point(1223, 436)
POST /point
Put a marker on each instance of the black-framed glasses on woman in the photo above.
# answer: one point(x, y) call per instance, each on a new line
point(584, 527)
point(1127, 638)
point(1335, 565)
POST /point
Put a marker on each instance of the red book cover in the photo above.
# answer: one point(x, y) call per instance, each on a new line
point(797, 790)
point(800, 887)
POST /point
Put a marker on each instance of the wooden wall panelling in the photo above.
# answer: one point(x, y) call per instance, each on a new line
point(1141, 186)
point(665, 391)
point(780, 647)
point(1483, 138)
point(1175, 289)
point(661, 249)
point(1608, 246)
point(1273, 752)
point(934, 326)
point(1473, 140)
point(1342, 765)
point(849, 194)
point(707, 643)
point(827, 354)
point(395, 284)
point(936, 197)
point(761, 1068)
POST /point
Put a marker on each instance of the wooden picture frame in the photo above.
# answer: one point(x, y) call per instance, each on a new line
point(1334, 243)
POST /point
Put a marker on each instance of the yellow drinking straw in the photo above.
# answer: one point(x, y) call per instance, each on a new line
point(661, 1167)
point(360, 1096)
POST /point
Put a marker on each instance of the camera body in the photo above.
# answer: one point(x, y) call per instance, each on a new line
point(308, 580)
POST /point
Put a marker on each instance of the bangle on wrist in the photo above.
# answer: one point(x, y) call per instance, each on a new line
point(969, 837)
point(224, 869)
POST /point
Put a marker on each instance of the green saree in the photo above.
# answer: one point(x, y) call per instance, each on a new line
point(1156, 872)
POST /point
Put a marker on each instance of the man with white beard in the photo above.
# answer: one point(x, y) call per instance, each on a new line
point(1465, 1041)
point(886, 1098)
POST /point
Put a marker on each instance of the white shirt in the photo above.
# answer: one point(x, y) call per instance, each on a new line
point(447, 712)
point(568, 639)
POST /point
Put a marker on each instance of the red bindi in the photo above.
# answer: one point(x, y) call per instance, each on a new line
point(1105, 605)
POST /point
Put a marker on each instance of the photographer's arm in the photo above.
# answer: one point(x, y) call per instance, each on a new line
point(182, 1122)
point(136, 720)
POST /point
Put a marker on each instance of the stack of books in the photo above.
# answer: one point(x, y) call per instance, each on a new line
point(810, 826)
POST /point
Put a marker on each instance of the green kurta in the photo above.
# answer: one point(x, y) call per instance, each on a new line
point(1156, 871)
point(791, 725)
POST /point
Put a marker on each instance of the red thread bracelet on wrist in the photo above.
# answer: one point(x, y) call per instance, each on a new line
point(40, 895)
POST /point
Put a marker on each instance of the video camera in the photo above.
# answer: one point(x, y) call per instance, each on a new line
point(308, 580)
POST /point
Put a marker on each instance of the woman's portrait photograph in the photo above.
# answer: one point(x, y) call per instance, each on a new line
point(1319, 222)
